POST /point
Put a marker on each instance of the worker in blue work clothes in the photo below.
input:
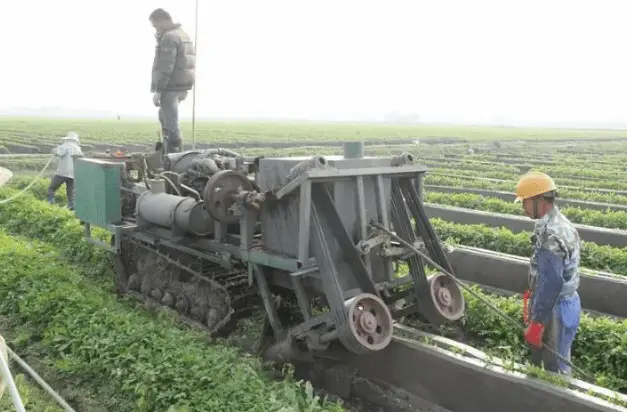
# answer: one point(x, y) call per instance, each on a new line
point(66, 152)
point(555, 307)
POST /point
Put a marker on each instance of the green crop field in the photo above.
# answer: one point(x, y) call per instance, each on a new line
point(56, 289)
point(19, 135)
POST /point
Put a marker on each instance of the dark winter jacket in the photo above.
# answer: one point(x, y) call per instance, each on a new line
point(174, 67)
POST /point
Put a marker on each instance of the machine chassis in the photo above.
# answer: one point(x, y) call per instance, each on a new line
point(360, 316)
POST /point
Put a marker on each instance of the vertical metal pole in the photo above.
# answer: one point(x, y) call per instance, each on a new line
point(8, 380)
point(363, 222)
point(304, 225)
point(419, 184)
point(194, 91)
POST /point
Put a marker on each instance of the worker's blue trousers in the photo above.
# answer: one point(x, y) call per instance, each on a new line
point(559, 334)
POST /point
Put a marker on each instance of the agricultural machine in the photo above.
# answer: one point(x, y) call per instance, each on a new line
point(216, 236)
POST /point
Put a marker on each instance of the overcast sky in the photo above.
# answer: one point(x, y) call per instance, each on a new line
point(469, 60)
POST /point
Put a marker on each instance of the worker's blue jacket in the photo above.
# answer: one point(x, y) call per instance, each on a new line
point(553, 280)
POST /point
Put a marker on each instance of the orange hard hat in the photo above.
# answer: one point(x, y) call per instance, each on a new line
point(533, 184)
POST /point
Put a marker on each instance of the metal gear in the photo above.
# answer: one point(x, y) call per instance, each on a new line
point(368, 324)
point(447, 297)
point(219, 194)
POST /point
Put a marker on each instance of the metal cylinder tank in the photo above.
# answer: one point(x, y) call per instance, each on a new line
point(353, 150)
point(180, 162)
point(175, 212)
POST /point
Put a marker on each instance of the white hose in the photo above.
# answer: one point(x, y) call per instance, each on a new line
point(35, 180)
point(7, 379)
point(170, 181)
point(40, 381)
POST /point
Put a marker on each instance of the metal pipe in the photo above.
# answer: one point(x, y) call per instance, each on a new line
point(40, 381)
point(175, 212)
point(192, 191)
point(403, 159)
point(8, 380)
point(220, 152)
point(207, 163)
point(314, 162)
point(196, 81)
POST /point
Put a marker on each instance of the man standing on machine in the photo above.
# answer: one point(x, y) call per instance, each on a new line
point(173, 75)
point(555, 307)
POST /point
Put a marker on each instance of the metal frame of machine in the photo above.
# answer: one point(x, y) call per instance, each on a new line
point(215, 235)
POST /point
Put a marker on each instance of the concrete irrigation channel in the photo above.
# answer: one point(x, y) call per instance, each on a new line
point(600, 236)
point(510, 198)
point(410, 375)
point(512, 183)
point(600, 292)
point(469, 165)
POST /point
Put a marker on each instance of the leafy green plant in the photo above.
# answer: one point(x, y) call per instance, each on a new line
point(91, 337)
point(593, 256)
point(509, 187)
point(497, 172)
point(600, 347)
point(608, 219)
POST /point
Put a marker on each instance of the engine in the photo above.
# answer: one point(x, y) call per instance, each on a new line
point(192, 169)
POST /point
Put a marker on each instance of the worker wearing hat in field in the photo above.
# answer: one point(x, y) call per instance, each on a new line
point(554, 309)
point(66, 152)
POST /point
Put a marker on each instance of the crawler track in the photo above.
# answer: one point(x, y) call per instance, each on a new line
point(202, 292)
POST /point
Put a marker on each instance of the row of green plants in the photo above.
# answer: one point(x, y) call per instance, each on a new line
point(509, 187)
point(66, 315)
point(600, 347)
point(593, 185)
point(603, 153)
point(598, 351)
point(596, 257)
point(594, 170)
point(556, 157)
point(563, 175)
point(608, 219)
point(131, 130)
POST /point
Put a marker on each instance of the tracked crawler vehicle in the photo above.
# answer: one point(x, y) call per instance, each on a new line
point(215, 235)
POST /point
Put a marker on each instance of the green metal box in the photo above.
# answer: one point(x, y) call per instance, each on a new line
point(97, 185)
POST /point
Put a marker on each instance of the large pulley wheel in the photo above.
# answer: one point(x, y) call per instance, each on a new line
point(220, 191)
point(368, 326)
point(447, 297)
